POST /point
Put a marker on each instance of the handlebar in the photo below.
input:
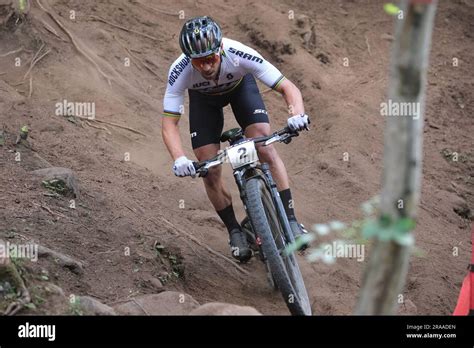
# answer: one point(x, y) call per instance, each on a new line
point(284, 135)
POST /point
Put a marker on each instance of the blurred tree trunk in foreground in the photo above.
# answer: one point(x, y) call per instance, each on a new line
point(384, 277)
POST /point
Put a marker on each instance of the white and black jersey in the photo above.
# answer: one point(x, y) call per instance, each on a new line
point(237, 60)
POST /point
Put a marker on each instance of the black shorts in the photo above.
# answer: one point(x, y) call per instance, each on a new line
point(206, 116)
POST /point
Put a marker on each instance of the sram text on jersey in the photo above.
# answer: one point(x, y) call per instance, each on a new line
point(245, 55)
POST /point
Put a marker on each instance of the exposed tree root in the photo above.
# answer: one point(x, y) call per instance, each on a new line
point(74, 42)
point(138, 59)
point(11, 52)
point(100, 19)
point(159, 10)
point(9, 273)
point(205, 246)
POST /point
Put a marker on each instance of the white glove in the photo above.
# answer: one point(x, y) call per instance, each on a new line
point(298, 122)
point(184, 167)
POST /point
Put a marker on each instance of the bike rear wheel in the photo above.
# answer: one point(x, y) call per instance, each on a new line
point(284, 268)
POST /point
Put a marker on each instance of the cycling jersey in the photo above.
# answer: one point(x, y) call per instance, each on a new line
point(237, 60)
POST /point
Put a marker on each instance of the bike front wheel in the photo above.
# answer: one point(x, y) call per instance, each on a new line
point(284, 268)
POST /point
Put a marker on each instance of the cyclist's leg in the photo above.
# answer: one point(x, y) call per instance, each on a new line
point(216, 191)
point(206, 121)
point(269, 154)
point(250, 112)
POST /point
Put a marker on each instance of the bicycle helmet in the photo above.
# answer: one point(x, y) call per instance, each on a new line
point(200, 37)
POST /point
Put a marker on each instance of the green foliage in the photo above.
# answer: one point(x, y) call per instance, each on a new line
point(56, 186)
point(22, 6)
point(291, 248)
point(359, 232)
point(75, 307)
point(30, 305)
point(174, 260)
point(386, 230)
point(391, 9)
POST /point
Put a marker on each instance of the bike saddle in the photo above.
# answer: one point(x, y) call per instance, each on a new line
point(232, 135)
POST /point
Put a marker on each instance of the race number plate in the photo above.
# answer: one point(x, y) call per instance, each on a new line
point(242, 154)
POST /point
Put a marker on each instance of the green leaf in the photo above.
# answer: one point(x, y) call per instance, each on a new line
point(22, 5)
point(296, 245)
point(30, 305)
point(391, 9)
point(337, 225)
point(386, 234)
point(370, 228)
point(321, 229)
point(385, 220)
point(405, 224)
point(405, 239)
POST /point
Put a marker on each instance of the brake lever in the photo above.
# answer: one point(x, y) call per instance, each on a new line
point(203, 173)
point(200, 171)
point(272, 140)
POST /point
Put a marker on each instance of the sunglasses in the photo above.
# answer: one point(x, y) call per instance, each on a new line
point(211, 59)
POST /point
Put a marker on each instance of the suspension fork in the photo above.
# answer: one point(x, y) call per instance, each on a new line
point(281, 213)
point(239, 180)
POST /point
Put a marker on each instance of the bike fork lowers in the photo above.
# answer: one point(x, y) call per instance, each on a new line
point(281, 212)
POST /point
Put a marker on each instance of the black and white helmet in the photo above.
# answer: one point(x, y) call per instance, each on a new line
point(200, 37)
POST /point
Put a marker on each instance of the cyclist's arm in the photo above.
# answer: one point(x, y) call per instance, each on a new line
point(172, 110)
point(293, 97)
point(169, 123)
point(171, 136)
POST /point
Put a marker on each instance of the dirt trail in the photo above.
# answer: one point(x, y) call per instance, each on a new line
point(123, 202)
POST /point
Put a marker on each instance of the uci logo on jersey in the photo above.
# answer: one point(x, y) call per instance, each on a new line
point(245, 55)
point(201, 84)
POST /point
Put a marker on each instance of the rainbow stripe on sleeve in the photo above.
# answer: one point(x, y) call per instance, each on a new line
point(171, 114)
point(278, 82)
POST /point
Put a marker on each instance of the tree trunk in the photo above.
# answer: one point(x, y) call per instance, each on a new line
point(385, 274)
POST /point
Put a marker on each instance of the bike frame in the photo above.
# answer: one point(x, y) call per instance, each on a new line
point(255, 173)
point(244, 173)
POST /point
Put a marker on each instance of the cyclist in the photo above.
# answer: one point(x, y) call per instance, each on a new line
point(219, 71)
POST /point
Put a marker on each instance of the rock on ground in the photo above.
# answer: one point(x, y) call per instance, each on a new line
point(64, 174)
point(91, 306)
point(217, 308)
point(165, 303)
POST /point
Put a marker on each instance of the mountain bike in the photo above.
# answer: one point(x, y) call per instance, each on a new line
point(266, 225)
